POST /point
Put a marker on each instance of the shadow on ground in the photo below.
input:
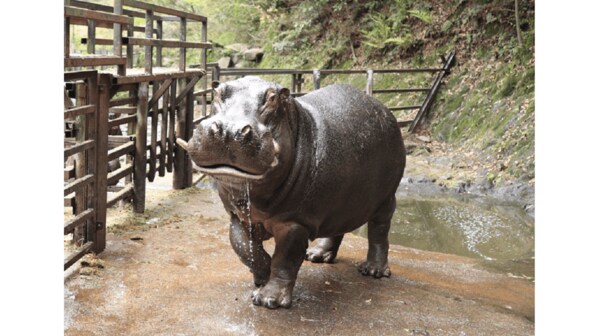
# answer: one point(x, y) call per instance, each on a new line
point(173, 272)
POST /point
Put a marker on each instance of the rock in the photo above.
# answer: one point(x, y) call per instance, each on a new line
point(254, 54)
point(424, 138)
point(237, 47)
point(410, 147)
point(225, 62)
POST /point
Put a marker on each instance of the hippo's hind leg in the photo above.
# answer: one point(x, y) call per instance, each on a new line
point(325, 249)
point(248, 246)
point(379, 226)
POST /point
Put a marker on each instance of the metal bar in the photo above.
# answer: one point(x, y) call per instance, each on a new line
point(316, 79)
point(404, 123)
point(402, 90)
point(78, 220)
point(79, 148)
point(72, 113)
point(75, 256)
point(402, 108)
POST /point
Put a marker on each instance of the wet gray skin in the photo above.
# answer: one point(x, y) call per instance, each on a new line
point(315, 167)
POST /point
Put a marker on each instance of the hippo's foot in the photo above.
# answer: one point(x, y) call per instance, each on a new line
point(376, 270)
point(318, 255)
point(261, 279)
point(325, 250)
point(276, 293)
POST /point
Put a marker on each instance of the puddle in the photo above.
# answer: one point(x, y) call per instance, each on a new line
point(500, 234)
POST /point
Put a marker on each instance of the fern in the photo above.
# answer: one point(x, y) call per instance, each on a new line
point(424, 16)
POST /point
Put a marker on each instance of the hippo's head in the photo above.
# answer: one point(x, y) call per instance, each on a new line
point(240, 138)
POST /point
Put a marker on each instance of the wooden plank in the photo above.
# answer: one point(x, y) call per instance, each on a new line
point(182, 37)
point(168, 43)
point(164, 10)
point(159, 36)
point(74, 112)
point(119, 87)
point(80, 147)
point(202, 92)
point(70, 76)
point(124, 193)
point(115, 176)
point(140, 78)
point(74, 12)
point(67, 37)
point(369, 88)
point(121, 121)
point(113, 140)
point(148, 49)
point(159, 92)
point(78, 184)
point(91, 45)
point(188, 88)
point(153, 132)
point(75, 256)
point(108, 9)
point(123, 101)
point(78, 220)
point(163, 135)
point(122, 110)
point(93, 60)
point(121, 150)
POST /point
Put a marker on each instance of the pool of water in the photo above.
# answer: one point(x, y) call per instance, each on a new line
point(500, 234)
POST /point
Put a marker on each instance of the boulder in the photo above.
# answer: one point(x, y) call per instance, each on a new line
point(224, 62)
point(254, 54)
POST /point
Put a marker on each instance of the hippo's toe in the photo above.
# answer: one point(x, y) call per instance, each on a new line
point(374, 270)
point(275, 294)
point(319, 255)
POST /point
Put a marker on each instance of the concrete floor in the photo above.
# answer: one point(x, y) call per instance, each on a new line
point(178, 275)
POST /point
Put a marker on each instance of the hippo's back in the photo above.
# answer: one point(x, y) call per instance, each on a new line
point(358, 155)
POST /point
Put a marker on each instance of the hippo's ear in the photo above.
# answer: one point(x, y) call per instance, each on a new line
point(215, 84)
point(284, 94)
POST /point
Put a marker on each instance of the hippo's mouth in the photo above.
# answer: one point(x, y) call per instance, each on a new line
point(228, 170)
point(231, 171)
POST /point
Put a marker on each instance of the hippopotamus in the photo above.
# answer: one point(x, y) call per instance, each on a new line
point(299, 169)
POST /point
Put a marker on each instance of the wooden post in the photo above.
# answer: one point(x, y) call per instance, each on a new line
point(67, 40)
point(81, 161)
point(370, 82)
point(98, 228)
point(203, 58)
point(139, 175)
point(182, 37)
point(182, 175)
point(159, 35)
point(316, 79)
point(148, 49)
point(153, 133)
point(293, 84)
point(129, 48)
point(163, 133)
point(171, 139)
point(299, 82)
point(117, 34)
point(91, 41)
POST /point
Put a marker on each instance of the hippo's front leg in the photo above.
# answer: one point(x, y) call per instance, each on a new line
point(247, 243)
point(291, 241)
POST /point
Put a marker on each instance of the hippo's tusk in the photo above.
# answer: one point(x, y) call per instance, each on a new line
point(276, 147)
point(182, 143)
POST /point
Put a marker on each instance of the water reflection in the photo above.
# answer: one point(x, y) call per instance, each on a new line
point(500, 234)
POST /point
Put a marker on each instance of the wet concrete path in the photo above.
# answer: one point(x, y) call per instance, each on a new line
point(178, 275)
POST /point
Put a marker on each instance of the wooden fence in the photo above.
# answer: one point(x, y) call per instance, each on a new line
point(124, 115)
point(298, 79)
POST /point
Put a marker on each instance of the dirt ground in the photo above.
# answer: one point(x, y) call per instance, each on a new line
point(171, 271)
